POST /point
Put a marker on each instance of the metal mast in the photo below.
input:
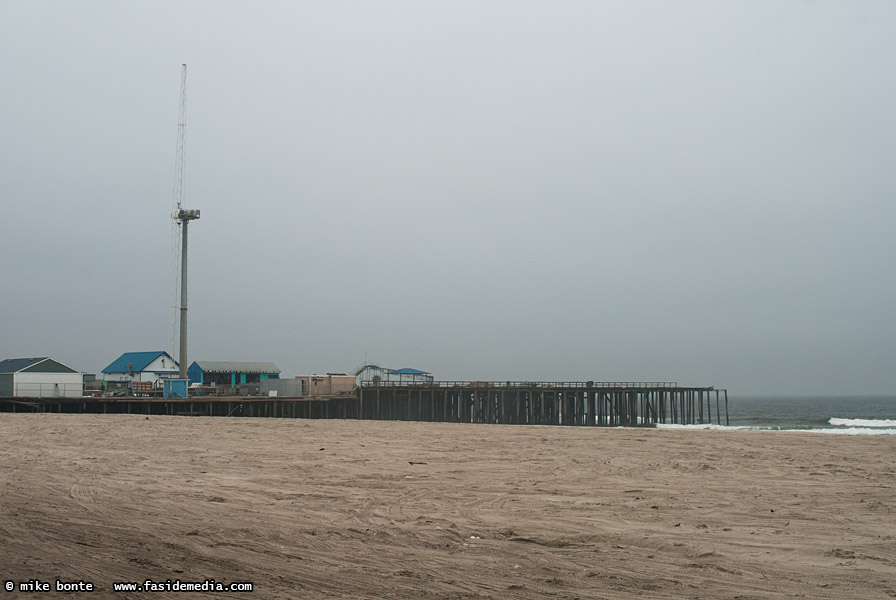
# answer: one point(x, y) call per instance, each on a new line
point(182, 217)
point(181, 141)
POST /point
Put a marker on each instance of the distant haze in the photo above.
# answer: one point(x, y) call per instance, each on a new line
point(701, 192)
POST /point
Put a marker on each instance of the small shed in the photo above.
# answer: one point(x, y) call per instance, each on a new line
point(39, 378)
point(142, 367)
point(206, 372)
point(331, 384)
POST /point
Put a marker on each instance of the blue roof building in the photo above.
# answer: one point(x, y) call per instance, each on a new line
point(142, 366)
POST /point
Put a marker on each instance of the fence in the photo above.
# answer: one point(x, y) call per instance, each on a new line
point(48, 390)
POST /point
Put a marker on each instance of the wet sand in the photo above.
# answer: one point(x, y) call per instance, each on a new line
point(365, 509)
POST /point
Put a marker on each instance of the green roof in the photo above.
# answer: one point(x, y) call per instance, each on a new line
point(42, 364)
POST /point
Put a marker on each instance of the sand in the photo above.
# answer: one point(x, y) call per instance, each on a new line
point(365, 509)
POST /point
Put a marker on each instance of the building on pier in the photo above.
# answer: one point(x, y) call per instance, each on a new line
point(331, 384)
point(141, 367)
point(40, 377)
point(213, 373)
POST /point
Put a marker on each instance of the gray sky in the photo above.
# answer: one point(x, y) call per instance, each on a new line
point(700, 192)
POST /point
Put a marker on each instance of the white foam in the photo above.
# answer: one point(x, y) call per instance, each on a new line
point(706, 426)
point(838, 431)
point(890, 423)
point(851, 431)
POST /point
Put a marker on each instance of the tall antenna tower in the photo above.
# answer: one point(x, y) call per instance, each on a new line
point(182, 217)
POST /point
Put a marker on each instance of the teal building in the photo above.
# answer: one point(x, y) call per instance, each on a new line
point(204, 372)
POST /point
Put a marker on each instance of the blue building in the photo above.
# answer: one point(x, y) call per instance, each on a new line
point(231, 374)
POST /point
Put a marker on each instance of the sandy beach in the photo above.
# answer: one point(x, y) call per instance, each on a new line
point(366, 509)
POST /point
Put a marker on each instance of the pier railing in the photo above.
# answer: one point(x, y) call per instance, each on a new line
point(523, 384)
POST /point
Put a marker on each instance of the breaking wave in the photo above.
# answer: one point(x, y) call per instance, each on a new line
point(877, 429)
point(890, 423)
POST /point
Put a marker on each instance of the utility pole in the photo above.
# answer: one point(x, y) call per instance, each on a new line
point(182, 216)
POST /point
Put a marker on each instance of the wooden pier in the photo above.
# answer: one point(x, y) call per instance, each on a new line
point(545, 403)
point(595, 404)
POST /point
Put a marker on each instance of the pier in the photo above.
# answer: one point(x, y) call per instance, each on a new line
point(608, 404)
point(594, 404)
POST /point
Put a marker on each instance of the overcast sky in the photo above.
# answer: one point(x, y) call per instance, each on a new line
point(700, 192)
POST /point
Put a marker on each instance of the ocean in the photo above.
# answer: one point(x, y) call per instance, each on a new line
point(848, 415)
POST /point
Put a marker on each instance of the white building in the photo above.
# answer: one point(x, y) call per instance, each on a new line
point(142, 367)
point(39, 378)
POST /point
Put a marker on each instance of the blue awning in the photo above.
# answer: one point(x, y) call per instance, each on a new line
point(407, 371)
